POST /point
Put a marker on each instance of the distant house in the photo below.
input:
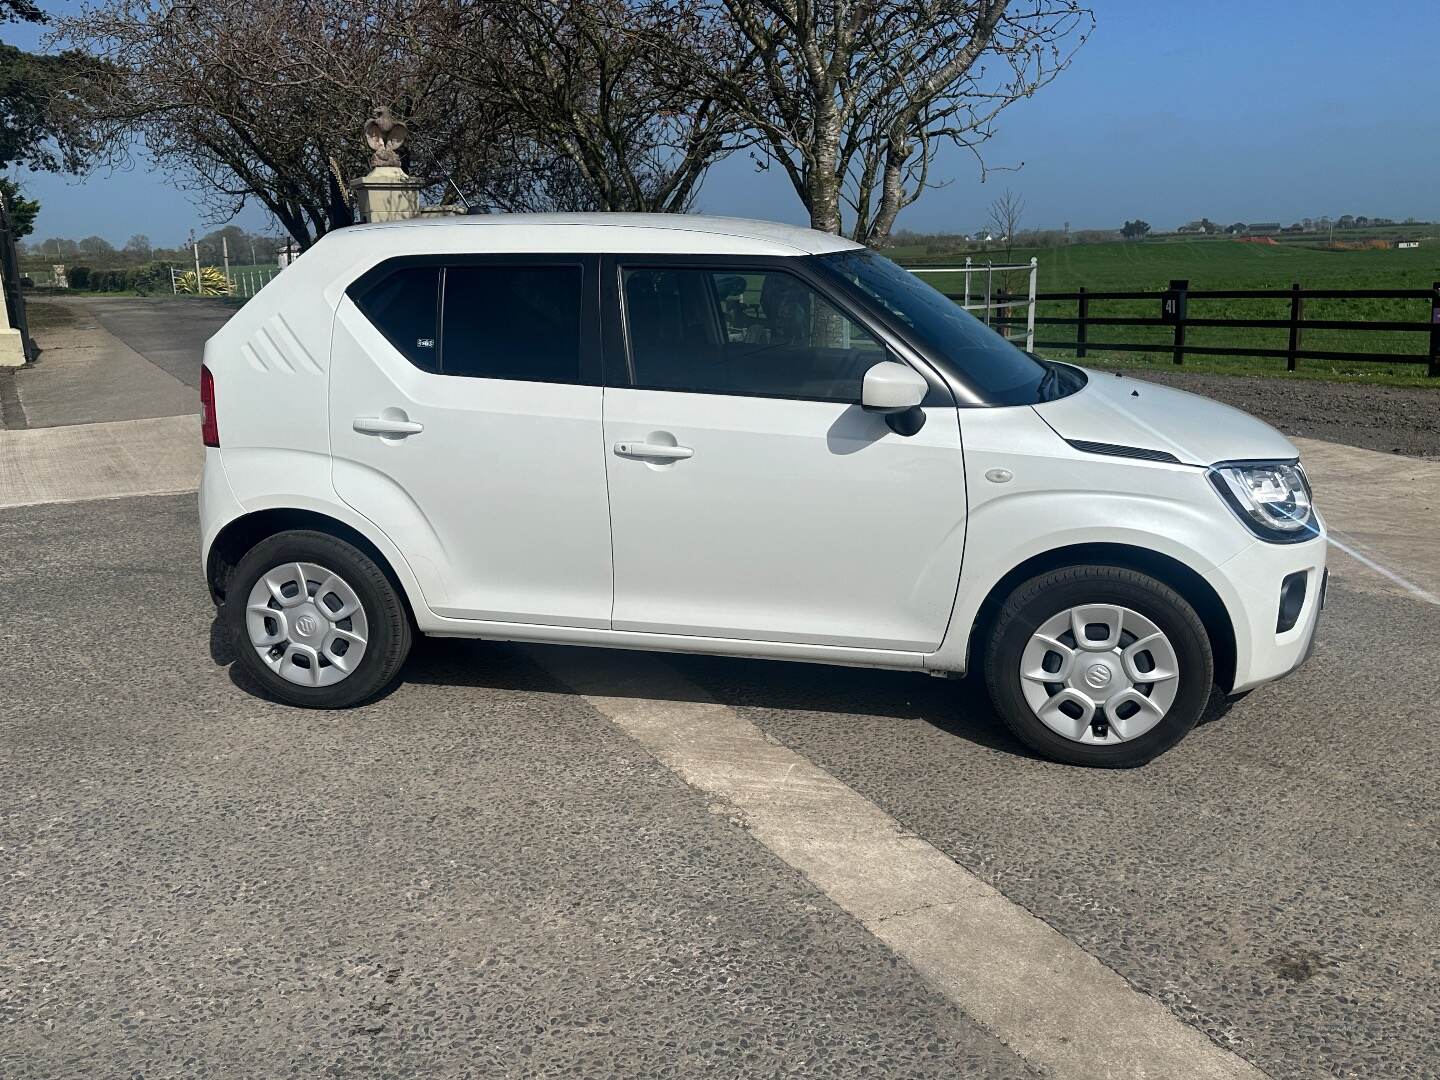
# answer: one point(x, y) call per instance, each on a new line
point(1193, 227)
point(1296, 227)
point(288, 253)
point(1237, 229)
point(1262, 228)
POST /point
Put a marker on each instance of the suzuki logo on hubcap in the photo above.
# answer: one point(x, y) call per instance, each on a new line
point(1097, 676)
point(305, 625)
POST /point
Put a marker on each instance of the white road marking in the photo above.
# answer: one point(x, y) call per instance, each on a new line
point(1409, 586)
point(1042, 995)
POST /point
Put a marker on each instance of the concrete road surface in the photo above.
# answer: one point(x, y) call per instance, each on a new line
point(547, 861)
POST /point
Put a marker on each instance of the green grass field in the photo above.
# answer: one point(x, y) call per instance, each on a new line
point(1229, 264)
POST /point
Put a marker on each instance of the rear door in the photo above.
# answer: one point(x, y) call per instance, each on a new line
point(465, 420)
point(751, 496)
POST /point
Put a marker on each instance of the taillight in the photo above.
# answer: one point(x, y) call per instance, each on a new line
point(209, 426)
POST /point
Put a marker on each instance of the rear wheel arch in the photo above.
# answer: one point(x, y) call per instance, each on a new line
point(239, 536)
point(1197, 592)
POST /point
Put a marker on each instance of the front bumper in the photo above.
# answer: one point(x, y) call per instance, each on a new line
point(1250, 586)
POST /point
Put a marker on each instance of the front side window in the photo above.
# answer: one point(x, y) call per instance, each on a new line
point(749, 332)
point(512, 322)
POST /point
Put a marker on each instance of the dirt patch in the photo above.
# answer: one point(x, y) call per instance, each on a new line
point(47, 314)
point(1299, 965)
point(1393, 419)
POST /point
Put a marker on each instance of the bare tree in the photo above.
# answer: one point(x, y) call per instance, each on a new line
point(852, 98)
point(1006, 213)
point(241, 100)
point(591, 101)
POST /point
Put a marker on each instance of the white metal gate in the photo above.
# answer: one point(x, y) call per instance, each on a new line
point(991, 300)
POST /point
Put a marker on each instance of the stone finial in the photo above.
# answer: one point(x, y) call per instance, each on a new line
point(385, 135)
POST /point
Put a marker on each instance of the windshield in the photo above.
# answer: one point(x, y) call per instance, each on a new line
point(998, 372)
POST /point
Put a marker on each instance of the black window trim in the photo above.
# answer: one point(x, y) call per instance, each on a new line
point(591, 362)
point(619, 361)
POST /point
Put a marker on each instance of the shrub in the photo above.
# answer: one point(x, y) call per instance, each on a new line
point(79, 277)
point(152, 277)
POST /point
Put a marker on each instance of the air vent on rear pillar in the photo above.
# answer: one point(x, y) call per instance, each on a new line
point(276, 348)
point(1114, 450)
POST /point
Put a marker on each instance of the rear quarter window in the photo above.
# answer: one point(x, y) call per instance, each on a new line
point(404, 306)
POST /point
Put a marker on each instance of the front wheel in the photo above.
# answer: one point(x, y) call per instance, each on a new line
point(315, 621)
point(1099, 665)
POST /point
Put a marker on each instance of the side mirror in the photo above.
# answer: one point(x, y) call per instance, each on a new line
point(892, 387)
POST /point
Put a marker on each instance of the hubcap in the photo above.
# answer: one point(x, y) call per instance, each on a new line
point(307, 624)
point(1099, 673)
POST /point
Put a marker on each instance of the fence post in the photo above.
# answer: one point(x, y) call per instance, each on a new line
point(1030, 317)
point(1082, 330)
point(967, 282)
point(989, 279)
point(1180, 287)
point(1433, 371)
point(1297, 312)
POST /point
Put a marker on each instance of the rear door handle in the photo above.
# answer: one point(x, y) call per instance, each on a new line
point(382, 425)
point(653, 451)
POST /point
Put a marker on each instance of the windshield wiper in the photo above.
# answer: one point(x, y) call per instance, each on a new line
point(1049, 385)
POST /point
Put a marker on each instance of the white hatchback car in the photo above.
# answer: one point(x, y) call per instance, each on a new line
point(722, 436)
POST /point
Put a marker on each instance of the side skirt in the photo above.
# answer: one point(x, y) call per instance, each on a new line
point(630, 639)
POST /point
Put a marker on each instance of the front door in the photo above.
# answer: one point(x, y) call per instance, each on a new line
point(750, 495)
point(465, 421)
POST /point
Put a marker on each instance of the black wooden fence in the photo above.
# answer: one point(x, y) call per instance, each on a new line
point(13, 300)
point(1172, 309)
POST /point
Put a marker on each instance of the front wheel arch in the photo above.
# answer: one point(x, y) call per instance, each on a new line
point(1197, 592)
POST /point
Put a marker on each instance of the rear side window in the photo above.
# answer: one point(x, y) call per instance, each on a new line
point(512, 322)
point(404, 307)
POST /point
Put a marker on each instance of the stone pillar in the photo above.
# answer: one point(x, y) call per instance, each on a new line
point(386, 193)
point(12, 345)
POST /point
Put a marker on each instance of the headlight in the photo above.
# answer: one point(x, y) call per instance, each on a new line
point(1272, 498)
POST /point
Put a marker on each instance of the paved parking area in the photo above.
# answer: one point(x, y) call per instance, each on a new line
point(478, 875)
point(475, 876)
point(486, 873)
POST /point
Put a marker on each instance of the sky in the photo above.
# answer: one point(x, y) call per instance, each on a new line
point(1266, 110)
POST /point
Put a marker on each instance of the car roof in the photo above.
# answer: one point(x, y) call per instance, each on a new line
point(610, 233)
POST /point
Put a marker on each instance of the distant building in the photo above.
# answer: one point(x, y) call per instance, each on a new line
point(288, 253)
point(1262, 228)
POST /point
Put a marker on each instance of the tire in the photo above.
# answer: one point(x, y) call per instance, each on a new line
point(1023, 639)
point(263, 606)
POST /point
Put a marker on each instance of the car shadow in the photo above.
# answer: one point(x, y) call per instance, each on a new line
point(957, 707)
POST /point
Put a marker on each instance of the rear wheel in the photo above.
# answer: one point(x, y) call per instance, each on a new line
point(1099, 665)
point(315, 621)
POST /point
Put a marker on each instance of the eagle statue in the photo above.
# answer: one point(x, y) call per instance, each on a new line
point(385, 135)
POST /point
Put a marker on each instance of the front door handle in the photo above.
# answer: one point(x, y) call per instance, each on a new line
point(653, 451)
point(384, 425)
